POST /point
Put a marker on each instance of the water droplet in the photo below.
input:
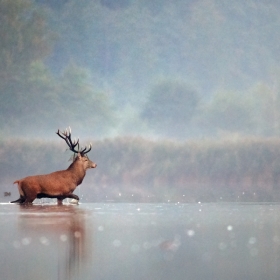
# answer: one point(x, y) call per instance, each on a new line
point(26, 241)
point(63, 237)
point(222, 246)
point(44, 240)
point(229, 228)
point(252, 240)
point(100, 228)
point(147, 245)
point(117, 243)
point(190, 232)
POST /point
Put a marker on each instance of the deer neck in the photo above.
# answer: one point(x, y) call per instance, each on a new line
point(77, 172)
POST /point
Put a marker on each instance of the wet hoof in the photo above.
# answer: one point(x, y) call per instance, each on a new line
point(74, 201)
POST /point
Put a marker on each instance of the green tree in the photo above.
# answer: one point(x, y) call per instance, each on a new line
point(78, 101)
point(230, 111)
point(26, 40)
point(170, 108)
point(31, 97)
point(25, 37)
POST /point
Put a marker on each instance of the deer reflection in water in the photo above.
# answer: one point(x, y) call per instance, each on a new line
point(65, 232)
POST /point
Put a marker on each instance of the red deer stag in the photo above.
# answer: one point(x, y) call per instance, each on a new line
point(59, 184)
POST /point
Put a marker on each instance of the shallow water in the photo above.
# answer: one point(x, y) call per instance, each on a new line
point(140, 241)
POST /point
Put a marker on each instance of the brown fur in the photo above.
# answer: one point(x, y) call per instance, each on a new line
point(59, 184)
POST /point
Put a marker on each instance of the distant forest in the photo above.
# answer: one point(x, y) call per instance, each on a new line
point(171, 69)
point(138, 170)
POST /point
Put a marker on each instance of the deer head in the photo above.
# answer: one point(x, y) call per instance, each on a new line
point(79, 154)
point(86, 162)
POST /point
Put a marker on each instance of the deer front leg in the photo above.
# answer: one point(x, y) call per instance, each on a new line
point(75, 197)
point(71, 195)
point(60, 199)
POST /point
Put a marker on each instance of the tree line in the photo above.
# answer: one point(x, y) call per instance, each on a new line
point(134, 169)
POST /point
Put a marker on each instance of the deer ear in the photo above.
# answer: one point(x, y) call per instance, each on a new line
point(79, 156)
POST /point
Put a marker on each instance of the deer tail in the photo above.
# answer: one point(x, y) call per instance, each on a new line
point(19, 187)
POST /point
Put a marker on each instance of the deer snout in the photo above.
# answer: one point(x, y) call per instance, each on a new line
point(94, 165)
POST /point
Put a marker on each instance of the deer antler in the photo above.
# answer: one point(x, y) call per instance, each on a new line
point(86, 150)
point(66, 135)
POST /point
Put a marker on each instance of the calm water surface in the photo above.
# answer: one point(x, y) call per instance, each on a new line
point(140, 241)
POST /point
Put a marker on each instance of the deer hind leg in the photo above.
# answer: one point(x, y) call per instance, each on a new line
point(29, 199)
point(20, 200)
point(30, 196)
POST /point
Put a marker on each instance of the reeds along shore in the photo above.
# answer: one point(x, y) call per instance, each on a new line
point(209, 169)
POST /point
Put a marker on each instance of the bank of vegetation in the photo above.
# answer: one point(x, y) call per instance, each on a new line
point(136, 169)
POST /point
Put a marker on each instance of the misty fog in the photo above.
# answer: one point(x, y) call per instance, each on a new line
point(178, 69)
point(173, 94)
point(181, 102)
